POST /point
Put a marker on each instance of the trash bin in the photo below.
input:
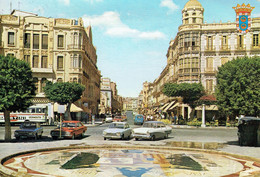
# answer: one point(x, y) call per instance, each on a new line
point(248, 131)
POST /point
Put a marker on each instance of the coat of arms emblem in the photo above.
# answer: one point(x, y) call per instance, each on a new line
point(243, 18)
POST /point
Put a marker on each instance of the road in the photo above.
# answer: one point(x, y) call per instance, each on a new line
point(93, 136)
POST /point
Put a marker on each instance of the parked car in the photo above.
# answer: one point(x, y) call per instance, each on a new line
point(69, 129)
point(118, 119)
point(247, 133)
point(139, 119)
point(29, 130)
point(108, 118)
point(152, 130)
point(117, 130)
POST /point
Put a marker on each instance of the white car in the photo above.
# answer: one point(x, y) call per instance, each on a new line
point(152, 130)
point(117, 130)
point(108, 118)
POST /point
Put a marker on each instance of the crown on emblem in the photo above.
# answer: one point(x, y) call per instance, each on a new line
point(243, 8)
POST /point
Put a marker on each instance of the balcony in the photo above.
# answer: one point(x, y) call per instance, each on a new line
point(209, 71)
point(190, 49)
point(240, 48)
point(76, 47)
point(76, 70)
point(210, 48)
point(42, 70)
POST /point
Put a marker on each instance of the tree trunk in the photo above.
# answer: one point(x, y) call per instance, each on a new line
point(68, 111)
point(8, 132)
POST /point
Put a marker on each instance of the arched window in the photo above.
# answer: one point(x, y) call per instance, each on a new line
point(75, 80)
point(59, 80)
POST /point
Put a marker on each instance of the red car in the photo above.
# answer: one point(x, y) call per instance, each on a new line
point(69, 129)
point(118, 119)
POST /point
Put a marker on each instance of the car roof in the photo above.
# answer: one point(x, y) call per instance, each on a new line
point(153, 122)
point(119, 122)
point(70, 121)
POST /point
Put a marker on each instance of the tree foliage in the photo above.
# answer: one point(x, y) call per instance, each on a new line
point(16, 88)
point(189, 92)
point(238, 87)
point(64, 93)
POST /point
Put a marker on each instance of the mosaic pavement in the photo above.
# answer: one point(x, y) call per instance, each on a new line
point(130, 163)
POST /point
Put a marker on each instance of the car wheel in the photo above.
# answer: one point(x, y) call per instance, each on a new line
point(166, 135)
point(122, 137)
point(153, 138)
point(54, 137)
point(136, 139)
point(105, 138)
point(36, 136)
point(17, 138)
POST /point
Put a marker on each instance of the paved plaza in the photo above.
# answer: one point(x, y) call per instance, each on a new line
point(187, 152)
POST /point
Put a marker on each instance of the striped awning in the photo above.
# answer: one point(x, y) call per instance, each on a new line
point(73, 108)
point(175, 105)
point(169, 105)
point(161, 108)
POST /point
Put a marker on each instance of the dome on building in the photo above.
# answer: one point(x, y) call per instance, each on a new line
point(193, 4)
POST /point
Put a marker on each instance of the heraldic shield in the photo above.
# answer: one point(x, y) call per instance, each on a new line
point(243, 17)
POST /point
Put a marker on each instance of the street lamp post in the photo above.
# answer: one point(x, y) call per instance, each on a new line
point(203, 116)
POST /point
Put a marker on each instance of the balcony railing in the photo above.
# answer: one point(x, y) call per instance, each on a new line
point(210, 48)
point(240, 47)
point(224, 48)
point(75, 47)
point(209, 70)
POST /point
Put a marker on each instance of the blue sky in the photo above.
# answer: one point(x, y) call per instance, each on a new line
point(131, 36)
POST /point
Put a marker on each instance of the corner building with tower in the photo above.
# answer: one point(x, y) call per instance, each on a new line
point(195, 54)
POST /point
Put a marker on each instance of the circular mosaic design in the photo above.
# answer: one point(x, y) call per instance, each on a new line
point(130, 163)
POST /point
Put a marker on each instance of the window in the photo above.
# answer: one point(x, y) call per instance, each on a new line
point(240, 41)
point(75, 61)
point(60, 63)
point(43, 83)
point(45, 41)
point(75, 80)
point(10, 55)
point(27, 40)
point(193, 20)
point(210, 42)
point(44, 62)
point(209, 64)
point(36, 41)
point(186, 21)
point(80, 61)
point(27, 59)
point(60, 41)
point(255, 40)
point(11, 38)
point(59, 80)
point(209, 86)
point(35, 63)
point(35, 80)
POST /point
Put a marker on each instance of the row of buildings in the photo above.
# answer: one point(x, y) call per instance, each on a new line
point(194, 56)
point(59, 50)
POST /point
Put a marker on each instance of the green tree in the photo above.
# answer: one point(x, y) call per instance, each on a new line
point(238, 87)
point(64, 93)
point(16, 88)
point(190, 93)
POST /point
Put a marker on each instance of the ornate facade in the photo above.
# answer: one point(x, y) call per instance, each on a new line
point(57, 49)
point(200, 48)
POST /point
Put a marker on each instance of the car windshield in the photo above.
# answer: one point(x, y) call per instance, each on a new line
point(28, 125)
point(68, 124)
point(116, 126)
point(149, 125)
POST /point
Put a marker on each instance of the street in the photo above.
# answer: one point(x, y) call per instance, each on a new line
point(93, 136)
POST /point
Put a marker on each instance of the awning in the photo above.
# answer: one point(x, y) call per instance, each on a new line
point(167, 107)
point(73, 108)
point(207, 107)
point(175, 105)
point(161, 108)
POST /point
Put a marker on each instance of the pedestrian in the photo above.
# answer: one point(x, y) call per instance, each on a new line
point(175, 119)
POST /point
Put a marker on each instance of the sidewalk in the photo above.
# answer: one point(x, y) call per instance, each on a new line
point(187, 126)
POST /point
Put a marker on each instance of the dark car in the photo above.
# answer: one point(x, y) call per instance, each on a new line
point(69, 129)
point(248, 131)
point(29, 130)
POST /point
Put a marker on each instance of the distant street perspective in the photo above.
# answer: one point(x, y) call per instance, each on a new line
point(129, 88)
